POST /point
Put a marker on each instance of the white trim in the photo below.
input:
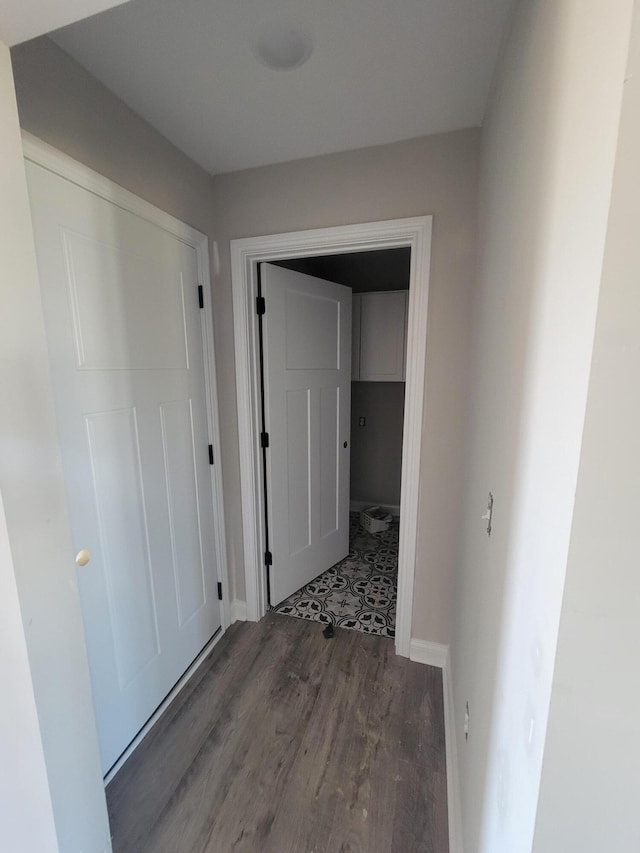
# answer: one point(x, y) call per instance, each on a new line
point(165, 704)
point(414, 233)
point(62, 164)
point(358, 506)
point(44, 155)
point(431, 654)
point(453, 773)
point(238, 610)
point(213, 418)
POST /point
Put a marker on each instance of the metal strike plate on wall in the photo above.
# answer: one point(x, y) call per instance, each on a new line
point(488, 516)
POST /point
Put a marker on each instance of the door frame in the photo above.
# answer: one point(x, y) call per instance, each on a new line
point(246, 254)
point(55, 161)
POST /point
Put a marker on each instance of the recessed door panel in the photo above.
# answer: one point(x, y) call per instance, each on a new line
point(312, 331)
point(184, 510)
point(124, 539)
point(108, 291)
point(298, 469)
point(329, 460)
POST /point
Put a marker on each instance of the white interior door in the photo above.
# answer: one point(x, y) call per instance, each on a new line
point(307, 376)
point(124, 331)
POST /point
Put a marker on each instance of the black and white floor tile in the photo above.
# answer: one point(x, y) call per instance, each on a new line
point(359, 592)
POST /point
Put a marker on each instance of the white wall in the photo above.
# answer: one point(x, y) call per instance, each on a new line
point(547, 160)
point(36, 564)
point(591, 770)
point(24, 19)
point(26, 815)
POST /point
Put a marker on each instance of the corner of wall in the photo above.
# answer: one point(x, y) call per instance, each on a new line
point(453, 771)
point(437, 654)
point(238, 611)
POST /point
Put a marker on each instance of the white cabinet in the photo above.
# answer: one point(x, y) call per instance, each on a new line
point(379, 336)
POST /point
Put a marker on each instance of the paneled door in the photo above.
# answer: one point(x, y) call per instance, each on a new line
point(120, 297)
point(307, 385)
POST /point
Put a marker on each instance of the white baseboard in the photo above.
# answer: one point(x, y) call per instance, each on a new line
point(433, 654)
point(453, 774)
point(358, 506)
point(238, 610)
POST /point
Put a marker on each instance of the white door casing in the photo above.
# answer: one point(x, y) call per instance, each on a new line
point(307, 383)
point(120, 296)
point(246, 254)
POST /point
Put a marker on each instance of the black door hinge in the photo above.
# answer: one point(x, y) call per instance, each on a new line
point(211, 454)
point(268, 558)
point(219, 592)
point(200, 296)
point(264, 440)
point(261, 306)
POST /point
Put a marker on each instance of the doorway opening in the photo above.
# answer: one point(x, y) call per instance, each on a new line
point(411, 234)
point(359, 592)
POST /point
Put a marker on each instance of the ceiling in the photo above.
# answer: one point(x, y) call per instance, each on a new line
point(380, 71)
point(383, 269)
point(25, 19)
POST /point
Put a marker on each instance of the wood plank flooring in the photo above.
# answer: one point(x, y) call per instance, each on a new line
point(285, 742)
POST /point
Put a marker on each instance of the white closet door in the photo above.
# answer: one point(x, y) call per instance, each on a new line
point(307, 372)
point(124, 331)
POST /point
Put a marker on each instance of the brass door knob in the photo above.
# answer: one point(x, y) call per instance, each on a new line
point(83, 557)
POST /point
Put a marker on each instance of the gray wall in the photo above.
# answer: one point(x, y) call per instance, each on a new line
point(376, 448)
point(437, 175)
point(434, 175)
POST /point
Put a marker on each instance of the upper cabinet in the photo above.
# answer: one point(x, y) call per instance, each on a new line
point(379, 338)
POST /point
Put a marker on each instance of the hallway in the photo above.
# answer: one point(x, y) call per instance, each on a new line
point(285, 742)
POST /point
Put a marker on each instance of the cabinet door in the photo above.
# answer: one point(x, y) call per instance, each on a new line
point(382, 336)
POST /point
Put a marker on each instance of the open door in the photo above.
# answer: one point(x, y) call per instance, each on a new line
point(307, 392)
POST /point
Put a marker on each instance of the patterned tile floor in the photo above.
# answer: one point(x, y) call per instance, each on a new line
point(359, 592)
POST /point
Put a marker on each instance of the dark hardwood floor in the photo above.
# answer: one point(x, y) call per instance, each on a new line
point(286, 742)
